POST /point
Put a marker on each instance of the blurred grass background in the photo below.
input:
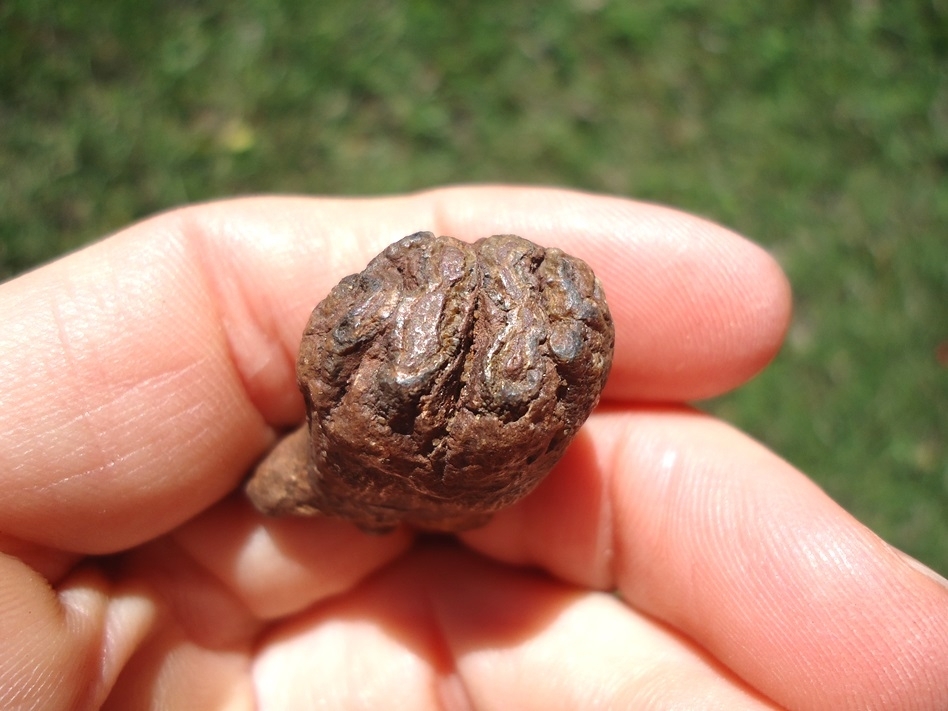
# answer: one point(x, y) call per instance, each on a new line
point(819, 129)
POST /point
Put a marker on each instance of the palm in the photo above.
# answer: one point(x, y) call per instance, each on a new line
point(740, 585)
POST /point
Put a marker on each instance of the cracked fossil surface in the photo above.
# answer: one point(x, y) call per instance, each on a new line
point(441, 383)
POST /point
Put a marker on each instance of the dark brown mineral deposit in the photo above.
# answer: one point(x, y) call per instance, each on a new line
point(441, 383)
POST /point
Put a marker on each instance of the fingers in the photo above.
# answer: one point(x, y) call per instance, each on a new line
point(141, 377)
point(65, 648)
point(443, 630)
point(508, 630)
point(280, 566)
point(702, 528)
point(197, 650)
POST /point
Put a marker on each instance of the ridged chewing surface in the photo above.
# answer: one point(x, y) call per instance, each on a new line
point(442, 383)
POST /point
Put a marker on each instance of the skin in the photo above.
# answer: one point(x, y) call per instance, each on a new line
point(668, 561)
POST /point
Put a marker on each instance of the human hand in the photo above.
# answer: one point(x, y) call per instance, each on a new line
point(142, 377)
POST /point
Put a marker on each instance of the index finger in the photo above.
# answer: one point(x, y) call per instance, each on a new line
point(141, 377)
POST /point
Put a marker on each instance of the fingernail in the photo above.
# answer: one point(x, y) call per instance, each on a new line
point(923, 569)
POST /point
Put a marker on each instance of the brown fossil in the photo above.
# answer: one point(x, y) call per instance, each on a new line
point(441, 383)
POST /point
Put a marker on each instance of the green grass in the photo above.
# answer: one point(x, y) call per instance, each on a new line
point(818, 129)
